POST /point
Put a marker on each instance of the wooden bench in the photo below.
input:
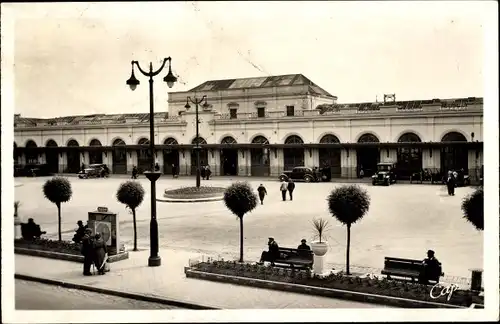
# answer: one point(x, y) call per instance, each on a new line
point(407, 268)
point(294, 258)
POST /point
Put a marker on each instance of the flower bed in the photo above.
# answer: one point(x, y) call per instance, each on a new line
point(194, 192)
point(49, 245)
point(340, 281)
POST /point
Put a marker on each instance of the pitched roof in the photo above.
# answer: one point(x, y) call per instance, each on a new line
point(262, 82)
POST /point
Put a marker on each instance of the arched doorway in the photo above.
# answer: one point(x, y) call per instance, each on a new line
point(367, 157)
point(228, 157)
point(73, 154)
point(143, 156)
point(329, 158)
point(203, 154)
point(260, 165)
point(454, 157)
point(119, 157)
point(52, 156)
point(95, 155)
point(170, 156)
point(293, 157)
point(409, 157)
point(31, 152)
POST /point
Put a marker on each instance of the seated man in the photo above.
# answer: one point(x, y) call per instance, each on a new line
point(303, 248)
point(431, 269)
point(273, 252)
point(31, 230)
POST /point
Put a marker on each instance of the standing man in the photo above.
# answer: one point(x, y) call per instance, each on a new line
point(262, 193)
point(450, 184)
point(283, 188)
point(134, 172)
point(88, 252)
point(291, 188)
point(174, 171)
point(208, 172)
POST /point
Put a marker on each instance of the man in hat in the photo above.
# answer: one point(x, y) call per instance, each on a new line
point(80, 232)
point(303, 248)
point(272, 254)
point(431, 268)
point(88, 252)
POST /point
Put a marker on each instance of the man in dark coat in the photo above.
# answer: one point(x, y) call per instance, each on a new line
point(157, 167)
point(203, 172)
point(272, 254)
point(431, 268)
point(100, 252)
point(303, 248)
point(31, 230)
point(134, 172)
point(208, 172)
point(291, 188)
point(88, 252)
point(262, 193)
point(174, 171)
point(450, 183)
point(80, 232)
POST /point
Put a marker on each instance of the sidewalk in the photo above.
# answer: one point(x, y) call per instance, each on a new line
point(168, 281)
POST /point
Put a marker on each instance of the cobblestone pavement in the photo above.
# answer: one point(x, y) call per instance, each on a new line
point(36, 296)
point(404, 220)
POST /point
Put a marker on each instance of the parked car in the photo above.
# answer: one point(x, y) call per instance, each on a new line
point(32, 170)
point(385, 174)
point(302, 174)
point(94, 171)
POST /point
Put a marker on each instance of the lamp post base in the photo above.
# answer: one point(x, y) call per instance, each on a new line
point(154, 261)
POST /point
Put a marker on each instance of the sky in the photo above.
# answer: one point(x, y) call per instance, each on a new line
point(74, 58)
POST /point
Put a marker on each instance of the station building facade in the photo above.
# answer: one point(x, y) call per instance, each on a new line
point(261, 127)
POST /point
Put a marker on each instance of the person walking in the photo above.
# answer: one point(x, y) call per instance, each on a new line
point(283, 188)
point(174, 171)
point(100, 254)
point(203, 172)
point(208, 172)
point(88, 252)
point(134, 172)
point(262, 193)
point(291, 188)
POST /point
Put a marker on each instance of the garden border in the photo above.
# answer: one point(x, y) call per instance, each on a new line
point(64, 256)
point(318, 291)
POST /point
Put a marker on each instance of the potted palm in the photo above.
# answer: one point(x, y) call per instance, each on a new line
point(320, 247)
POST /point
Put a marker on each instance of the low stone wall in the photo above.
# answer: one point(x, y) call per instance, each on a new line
point(318, 291)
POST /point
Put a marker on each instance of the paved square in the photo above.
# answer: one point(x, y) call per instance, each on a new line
point(404, 220)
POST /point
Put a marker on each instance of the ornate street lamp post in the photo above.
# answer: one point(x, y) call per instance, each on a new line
point(154, 259)
point(197, 148)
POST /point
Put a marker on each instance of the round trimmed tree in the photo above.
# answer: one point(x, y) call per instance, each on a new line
point(58, 190)
point(131, 194)
point(240, 199)
point(348, 204)
point(473, 208)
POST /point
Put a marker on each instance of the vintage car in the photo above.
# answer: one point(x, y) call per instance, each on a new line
point(302, 174)
point(386, 174)
point(94, 171)
point(32, 170)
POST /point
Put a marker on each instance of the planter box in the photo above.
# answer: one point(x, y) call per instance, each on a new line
point(64, 256)
point(311, 286)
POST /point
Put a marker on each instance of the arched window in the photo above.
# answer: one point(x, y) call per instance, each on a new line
point(409, 138)
point(73, 143)
point(143, 141)
point(95, 142)
point(409, 156)
point(118, 142)
point(368, 138)
point(228, 140)
point(31, 144)
point(453, 137)
point(260, 140)
point(51, 143)
point(199, 140)
point(170, 141)
point(293, 139)
point(329, 139)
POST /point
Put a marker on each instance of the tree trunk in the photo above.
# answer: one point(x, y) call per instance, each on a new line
point(59, 220)
point(241, 238)
point(135, 230)
point(348, 247)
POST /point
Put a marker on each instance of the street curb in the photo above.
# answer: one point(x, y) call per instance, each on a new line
point(117, 293)
point(194, 200)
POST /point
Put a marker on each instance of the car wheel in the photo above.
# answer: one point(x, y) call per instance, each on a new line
point(308, 179)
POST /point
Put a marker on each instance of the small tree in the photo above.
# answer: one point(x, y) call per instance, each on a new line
point(131, 194)
point(320, 226)
point(240, 199)
point(473, 208)
point(348, 204)
point(58, 190)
